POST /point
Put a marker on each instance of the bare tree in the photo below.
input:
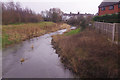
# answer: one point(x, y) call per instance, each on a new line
point(54, 14)
point(14, 13)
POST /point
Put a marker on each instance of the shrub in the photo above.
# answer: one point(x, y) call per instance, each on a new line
point(80, 21)
point(113, 18)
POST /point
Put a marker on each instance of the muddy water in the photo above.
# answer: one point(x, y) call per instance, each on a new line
point(40, 62)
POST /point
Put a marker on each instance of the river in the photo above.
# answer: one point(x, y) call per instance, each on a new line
point(41, 61)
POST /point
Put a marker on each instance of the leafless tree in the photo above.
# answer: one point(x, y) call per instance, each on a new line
point(54, 14)
point(13, 13)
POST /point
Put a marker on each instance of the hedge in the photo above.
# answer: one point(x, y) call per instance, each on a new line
point(108, 18)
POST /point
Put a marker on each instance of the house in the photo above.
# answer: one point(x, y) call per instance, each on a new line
point(66, 16)
point(109, 8)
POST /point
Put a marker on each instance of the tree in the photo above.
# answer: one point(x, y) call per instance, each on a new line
point(80, 21)
point(13, 13)
point(54, 14)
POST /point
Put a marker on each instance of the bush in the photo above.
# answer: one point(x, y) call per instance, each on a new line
point(113, 18)
point(80, 21)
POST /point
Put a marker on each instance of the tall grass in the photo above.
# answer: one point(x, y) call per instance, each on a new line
point(88, 54)
point(15, 33)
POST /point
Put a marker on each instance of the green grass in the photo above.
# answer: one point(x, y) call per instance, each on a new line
point(73, 32)
point(17, 23)
point(0, 42)
point(5, 40)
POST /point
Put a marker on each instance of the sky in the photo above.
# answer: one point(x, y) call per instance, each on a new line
point(67, 6)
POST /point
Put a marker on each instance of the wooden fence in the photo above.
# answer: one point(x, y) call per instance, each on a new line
point(111, 30)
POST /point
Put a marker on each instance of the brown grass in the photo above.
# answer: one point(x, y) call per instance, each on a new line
point(16, 33)
point(88, 54)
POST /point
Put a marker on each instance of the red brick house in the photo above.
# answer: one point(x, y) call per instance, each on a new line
point(109, 8)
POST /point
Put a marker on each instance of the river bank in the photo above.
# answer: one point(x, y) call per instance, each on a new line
point(12, 34)
point(87, 54)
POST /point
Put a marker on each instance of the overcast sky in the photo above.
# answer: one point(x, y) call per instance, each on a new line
point(82, 6)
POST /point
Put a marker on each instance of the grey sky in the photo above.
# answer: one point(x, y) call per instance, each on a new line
point(83, 6)
point(111, 0)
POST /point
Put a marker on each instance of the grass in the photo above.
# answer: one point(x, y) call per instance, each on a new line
point(88, 54)
point(17, 24)
point(0, 42)
point(12, 34)
point(72, 32)
point(5, 40)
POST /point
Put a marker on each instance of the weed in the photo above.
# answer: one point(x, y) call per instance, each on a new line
point(88, 54)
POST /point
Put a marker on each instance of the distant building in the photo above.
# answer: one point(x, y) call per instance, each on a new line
point(66, 16)
point(109, 8)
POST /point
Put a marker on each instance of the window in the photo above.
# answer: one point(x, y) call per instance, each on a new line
point(118, 5)
point(103, 8)
point(111, 7)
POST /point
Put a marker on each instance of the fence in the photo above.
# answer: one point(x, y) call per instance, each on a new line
point(111, 30)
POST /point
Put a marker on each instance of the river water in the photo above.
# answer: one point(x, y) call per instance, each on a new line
point(41, 61)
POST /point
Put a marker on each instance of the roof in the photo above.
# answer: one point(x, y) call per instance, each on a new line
point(103, 4)
point(72, 14)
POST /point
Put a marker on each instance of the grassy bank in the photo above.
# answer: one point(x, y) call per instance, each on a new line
point(72, 32)
point(88, 54)
point(12, 34)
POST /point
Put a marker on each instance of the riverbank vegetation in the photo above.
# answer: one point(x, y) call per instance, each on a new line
point(88, 54)
point(12, 34)
point(73, 32)
point(13, 13)
point(19, 24)
point(53, 14)
point(80, 21)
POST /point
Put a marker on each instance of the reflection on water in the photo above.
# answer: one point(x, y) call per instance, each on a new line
point(41, 61)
